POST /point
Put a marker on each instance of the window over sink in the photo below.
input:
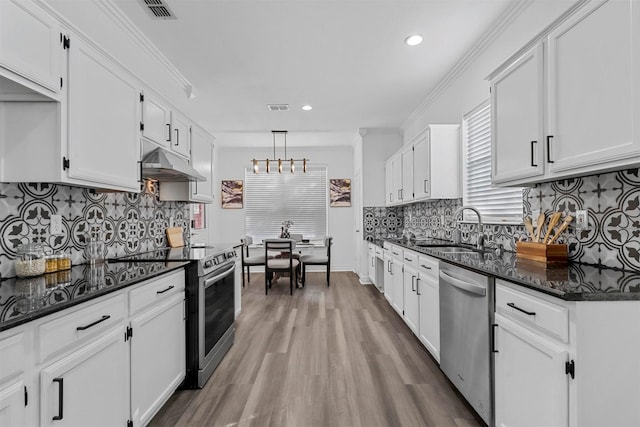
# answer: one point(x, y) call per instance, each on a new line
point(496, 204)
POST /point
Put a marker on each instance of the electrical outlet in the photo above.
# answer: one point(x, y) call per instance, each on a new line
point(582, 220)
point(170, 221)
point(55, 227)
point(442, 219)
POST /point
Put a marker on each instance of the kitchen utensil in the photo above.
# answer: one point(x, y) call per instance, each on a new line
point(553, 221)
point(539, 224)
point(174, 237)
point(529, 226)
point(563, 227)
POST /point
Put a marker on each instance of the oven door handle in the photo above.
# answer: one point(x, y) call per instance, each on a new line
point(209, 282)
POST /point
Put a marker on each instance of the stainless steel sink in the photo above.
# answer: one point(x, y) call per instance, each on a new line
point(454, 250)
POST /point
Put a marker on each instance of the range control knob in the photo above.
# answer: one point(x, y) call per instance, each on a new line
point(208, 264)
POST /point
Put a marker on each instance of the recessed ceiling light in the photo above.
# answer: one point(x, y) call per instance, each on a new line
point(307, 107)
point(413, 39)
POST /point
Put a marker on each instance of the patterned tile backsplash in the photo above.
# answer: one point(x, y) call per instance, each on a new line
point(128, 222)
point(612, 200)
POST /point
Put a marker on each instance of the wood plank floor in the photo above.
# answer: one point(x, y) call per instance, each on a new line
point(337, 356)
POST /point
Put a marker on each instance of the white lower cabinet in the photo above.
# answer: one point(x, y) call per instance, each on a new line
point(13, 409)
point(107, 362)
point(411, 310)
point(428, 291)
point(397, 280)
point(371, 262)
point(387, 258)
point(157, 365)
point(530, 389)
point(89, 386)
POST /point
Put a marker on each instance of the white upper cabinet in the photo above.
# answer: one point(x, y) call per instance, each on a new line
point(30, 52)
point(202, 161)
point(103, 129)
point(567, 104)
point(180, 135)
point(388, 183)
point(435, 152)
point(517, 119)
point(156, 120)
point(591, 86)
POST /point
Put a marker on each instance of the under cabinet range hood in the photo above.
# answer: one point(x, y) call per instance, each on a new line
point(162, 165)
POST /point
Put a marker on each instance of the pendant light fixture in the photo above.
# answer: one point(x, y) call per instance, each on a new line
point(256, 163)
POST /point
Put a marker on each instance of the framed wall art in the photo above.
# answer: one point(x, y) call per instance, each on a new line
point(232, 192)
point(339, 192)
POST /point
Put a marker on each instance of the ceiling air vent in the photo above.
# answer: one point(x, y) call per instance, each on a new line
point(158, 9)
point(278, 107)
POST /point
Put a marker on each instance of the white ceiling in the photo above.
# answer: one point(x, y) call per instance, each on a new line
point(345, 58)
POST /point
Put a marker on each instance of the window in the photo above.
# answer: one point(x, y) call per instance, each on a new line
point(496, 204)
point(271, 198)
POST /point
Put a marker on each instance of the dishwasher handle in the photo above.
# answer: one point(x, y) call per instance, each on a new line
point(460, 284)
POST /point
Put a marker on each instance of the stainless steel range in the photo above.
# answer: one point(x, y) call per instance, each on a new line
point(210, 284)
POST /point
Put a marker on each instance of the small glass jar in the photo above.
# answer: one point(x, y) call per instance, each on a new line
point(51, 279)
point(30, 260)
point(51, 263)
point(64, 261)
point(63, 277)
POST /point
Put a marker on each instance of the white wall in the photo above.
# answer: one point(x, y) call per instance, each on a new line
point(230, 163)
point(470, 88)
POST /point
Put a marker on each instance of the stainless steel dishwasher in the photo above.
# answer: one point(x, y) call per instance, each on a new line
point(466, 315)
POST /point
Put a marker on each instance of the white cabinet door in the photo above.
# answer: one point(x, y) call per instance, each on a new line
point(103, 128)
point(411, 301)
point(30, 43)
point(517, 138)
point(157, 357)
point(531, 387)
point(397, 281)
point(89, 387)
point(429, 302)
point(180, 135)
point(407, 174)
point(397, 178)
point(13, 407)
point(156, 118)
point(390, 198)
point(371, 258)
point(591, 85)
point(202, 161)
point(388, 276)
point(421, 168)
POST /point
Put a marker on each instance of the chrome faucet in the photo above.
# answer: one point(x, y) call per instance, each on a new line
point(456, 231)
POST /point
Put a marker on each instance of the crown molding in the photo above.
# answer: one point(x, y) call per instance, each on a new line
point(117, 15)
point(498, 27)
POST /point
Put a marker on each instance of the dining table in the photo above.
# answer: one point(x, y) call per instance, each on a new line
point(300, 249)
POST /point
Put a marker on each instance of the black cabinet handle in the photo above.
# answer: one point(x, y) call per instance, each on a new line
point(549, 149)
point(60, 396)
point(425, 185)
point(165, 290)
point(418, 286)
point(533, 152)
point(493, 338)
point(177, 137)
point(102, 319)
point(528, 313)
point(169, 134)
point(425, 266)
point(413, 286)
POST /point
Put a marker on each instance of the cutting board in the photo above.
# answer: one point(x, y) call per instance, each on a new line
point(174, 237)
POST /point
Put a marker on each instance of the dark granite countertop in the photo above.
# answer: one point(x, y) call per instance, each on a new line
point(572, 282)
point(26, 299)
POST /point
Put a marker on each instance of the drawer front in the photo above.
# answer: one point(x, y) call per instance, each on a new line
point(155, 291)
point(12, 355)
point(410, 258)
point(62, 332)
point(387, 246)
point(396, 252)
point(532, 312)
point(379, 251)
point(428, 267)
point(372, 249)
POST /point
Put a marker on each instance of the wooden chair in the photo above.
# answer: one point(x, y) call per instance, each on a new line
point(287, 263)
point(249, 261)
point(312, 259)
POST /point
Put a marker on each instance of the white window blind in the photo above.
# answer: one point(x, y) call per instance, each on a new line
point(496, 204)
point(271, 198)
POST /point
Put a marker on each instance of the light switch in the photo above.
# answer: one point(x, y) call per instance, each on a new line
point(582, 220)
